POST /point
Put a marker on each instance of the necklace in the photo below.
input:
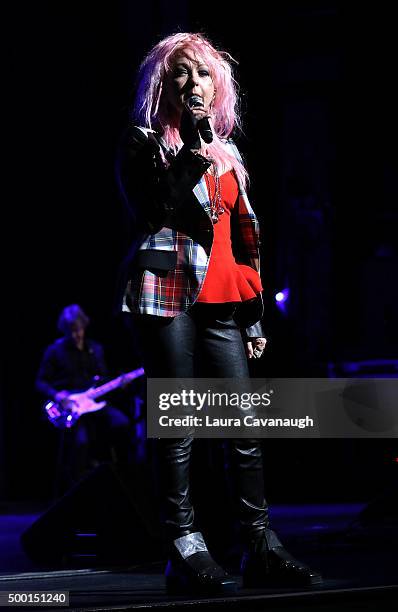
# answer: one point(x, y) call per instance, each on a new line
point(215, 199)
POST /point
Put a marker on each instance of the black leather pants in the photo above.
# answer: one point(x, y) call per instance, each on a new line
point(205, 342)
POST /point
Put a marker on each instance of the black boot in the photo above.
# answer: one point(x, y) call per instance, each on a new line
point(268, 564)
point(191, 569)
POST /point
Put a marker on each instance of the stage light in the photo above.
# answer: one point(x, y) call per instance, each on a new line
point(281, 298)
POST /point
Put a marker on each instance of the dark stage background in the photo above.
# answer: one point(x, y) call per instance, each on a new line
point(319, 110)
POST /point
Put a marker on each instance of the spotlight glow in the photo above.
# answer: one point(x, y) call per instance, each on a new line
point(281, 299)
point(282, 296)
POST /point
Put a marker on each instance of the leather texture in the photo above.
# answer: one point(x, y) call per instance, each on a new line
point(266, 563)
point(204, 341)
point(198, 573)
point(156, 259)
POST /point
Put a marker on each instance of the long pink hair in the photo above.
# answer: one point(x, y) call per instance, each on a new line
point(151, 110)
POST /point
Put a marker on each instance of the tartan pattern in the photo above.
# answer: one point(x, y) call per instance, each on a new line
point(202, 195)
point(248, 224)
point(168, 296)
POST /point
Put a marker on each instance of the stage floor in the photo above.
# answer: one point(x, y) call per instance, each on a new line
point(130, 589)
point(360, 569)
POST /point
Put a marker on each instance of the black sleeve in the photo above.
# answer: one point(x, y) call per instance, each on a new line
point(153, 189)
point(47, 374)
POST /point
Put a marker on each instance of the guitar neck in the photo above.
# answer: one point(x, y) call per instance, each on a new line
point(115, 383)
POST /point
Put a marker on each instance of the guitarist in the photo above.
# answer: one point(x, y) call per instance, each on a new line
point(72, 364)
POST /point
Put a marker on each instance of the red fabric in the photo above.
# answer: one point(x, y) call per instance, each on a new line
point(226, 280)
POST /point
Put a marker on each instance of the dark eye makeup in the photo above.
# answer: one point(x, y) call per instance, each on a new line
point(181, 70)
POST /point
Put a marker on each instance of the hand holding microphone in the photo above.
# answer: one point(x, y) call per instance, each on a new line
point(194, 125)
point(203, 124)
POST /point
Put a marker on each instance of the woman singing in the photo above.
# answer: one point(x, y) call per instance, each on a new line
point(193, 285)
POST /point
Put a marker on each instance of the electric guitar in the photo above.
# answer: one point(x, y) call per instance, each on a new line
point(64, 415)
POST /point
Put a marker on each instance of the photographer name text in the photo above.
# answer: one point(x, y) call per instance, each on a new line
point(246, 421)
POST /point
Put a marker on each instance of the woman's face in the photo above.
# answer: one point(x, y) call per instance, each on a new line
point(188, 77)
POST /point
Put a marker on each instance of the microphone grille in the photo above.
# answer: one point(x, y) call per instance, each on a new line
point(194, 101)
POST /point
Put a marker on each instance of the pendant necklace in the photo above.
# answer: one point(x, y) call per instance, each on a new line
point(215, 200)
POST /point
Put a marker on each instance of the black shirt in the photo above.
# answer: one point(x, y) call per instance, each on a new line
point(64, 366)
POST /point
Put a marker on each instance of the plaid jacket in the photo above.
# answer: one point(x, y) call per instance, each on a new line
point(170, 204)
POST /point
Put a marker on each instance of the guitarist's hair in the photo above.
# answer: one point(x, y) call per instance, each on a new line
point(70, 315)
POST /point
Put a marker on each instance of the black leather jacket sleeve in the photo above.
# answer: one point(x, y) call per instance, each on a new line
point(153, 187)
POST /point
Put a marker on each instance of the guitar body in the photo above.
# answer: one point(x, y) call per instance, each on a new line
point(64, 415)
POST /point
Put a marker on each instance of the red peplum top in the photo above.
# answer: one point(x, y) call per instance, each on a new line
point(226, 280)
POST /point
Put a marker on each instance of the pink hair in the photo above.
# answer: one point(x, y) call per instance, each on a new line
point(151, 111)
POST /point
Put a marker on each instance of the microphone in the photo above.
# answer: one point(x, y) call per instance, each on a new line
point(203, 124)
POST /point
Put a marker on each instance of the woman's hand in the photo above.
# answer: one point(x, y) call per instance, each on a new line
point(255, 347)
point(189, 131)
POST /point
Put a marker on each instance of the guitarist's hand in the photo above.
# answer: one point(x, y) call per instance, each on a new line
point(83, 403)
point(63, 398)
point(53, 411)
